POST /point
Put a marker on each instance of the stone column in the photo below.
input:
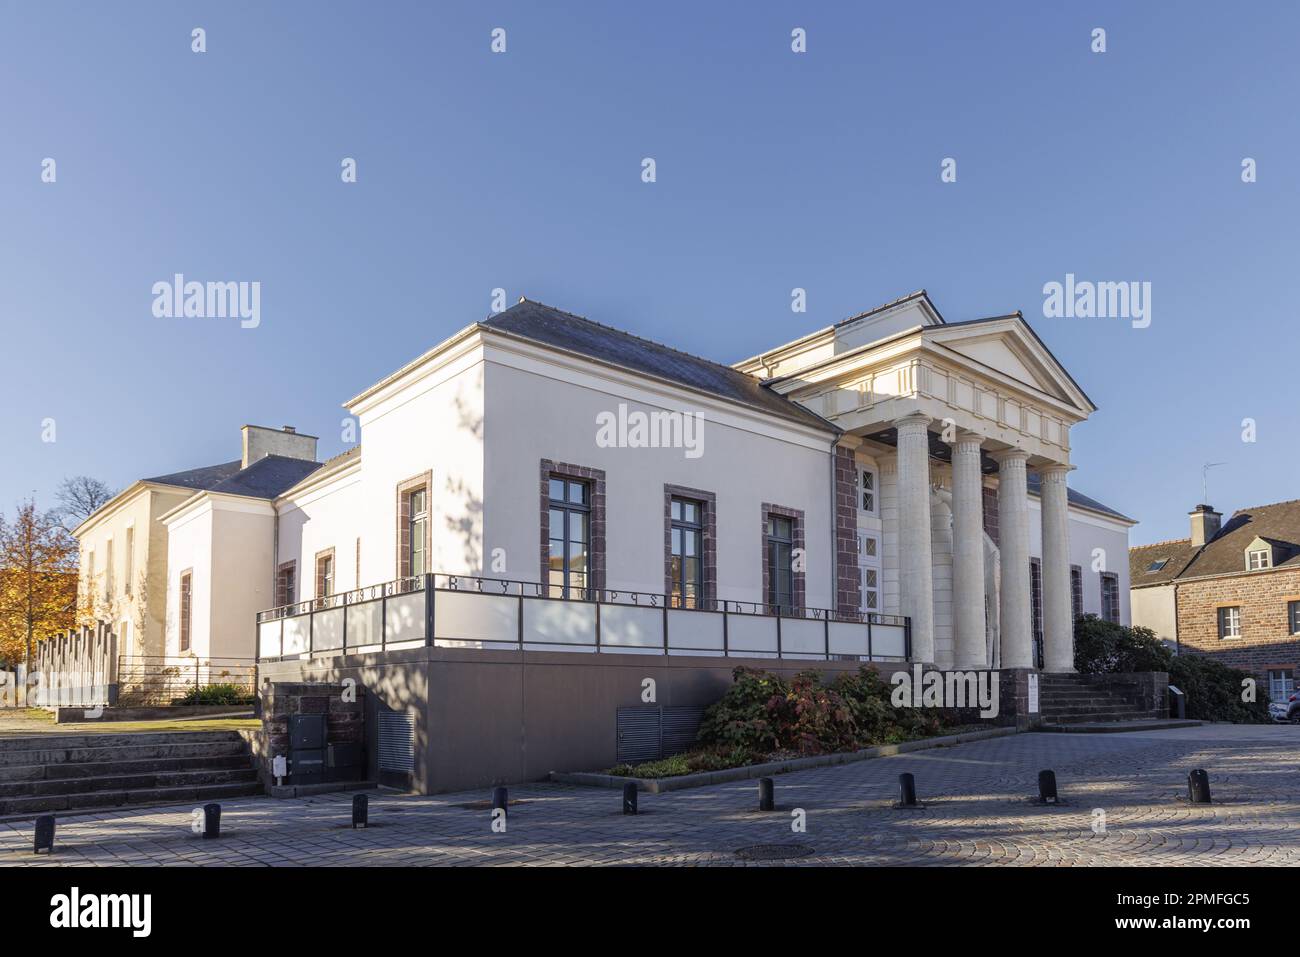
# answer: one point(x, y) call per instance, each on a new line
point(1013, 533)
point(968, 553)
point(1058, 617)
point(916, 576)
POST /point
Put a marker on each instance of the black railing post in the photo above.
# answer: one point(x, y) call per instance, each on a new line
point(826, 620)
point(907, 638)
point(311, 629)
point(598, 623)
point(665, 624)
point(428, 610)
point(345, 623)
point(383, 619)
point(521, 621)
point(726, 649)
point(778, 631)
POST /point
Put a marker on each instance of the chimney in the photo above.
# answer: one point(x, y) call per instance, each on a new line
point(260, 441)
point(1205, 524)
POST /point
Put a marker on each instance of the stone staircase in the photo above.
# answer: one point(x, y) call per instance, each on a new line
point(75, 772)
point(1066, 699)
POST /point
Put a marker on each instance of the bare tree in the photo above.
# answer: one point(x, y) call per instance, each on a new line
point(79, 497)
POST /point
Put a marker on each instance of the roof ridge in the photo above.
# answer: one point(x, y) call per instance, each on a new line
point(1249, 508)
point(884, 305)
point(633, 335)
point(1167, 541)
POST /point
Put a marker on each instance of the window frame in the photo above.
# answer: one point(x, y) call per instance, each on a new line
point(1113, 579)
point(595, 479)
point(1265, 556)
point(288, 592)
point(326, 580)
point(1076, 591)
point(185, 591)
point(771, 596)
point(1226, 617)
point(1036, 608)
point(1293, 617)
point(408, 524)
point(569, 511)
point(706, 527)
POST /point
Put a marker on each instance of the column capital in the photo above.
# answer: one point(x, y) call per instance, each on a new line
point(967, 438)
point(911, 421)
point(1012, 457)
point(1054, 471)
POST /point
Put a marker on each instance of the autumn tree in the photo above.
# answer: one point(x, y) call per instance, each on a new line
point(38, 580)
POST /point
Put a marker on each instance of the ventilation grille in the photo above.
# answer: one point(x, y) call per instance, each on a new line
point(396, 741)
point(648, 734)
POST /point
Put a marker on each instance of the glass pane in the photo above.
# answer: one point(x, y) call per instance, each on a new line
point(417, 502)
point(577, 556)
point(578, 493)
point(692, 542)
point(691, 512)
point(691, 574)
point(871, 600)
point(676, 510)
point(557, 490)
point(676, 547)
point(577, 527)
point(556, 521)
point(871, 578)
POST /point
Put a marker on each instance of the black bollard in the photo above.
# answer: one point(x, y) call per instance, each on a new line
point(1198, 787)
point(44, 834)
point(1047, 787)
point(629, 798)
point(360, 811)
point(766, 794)
point(906, 790)
point(501, 799)
point(211, 820)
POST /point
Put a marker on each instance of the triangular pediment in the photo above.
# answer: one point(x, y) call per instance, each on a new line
point(1007, 347)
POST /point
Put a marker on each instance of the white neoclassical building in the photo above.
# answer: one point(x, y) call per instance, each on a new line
point(893, 464)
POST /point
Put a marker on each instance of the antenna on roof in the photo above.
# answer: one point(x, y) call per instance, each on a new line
point(1205, 473)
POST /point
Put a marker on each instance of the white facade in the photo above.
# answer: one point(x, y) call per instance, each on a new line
point(482, 412)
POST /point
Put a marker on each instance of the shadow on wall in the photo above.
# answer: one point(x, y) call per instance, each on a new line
point(470, 516)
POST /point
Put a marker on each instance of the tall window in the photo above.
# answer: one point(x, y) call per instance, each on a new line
point(869, 566)
point(286, 586)
point(1110, 597)
point(1076, 591)
point(186, 609)
point(417, 526)
point(686, 553)
point(325, 573)
point(1230, 622)
point(128, 560)
point(1293, 617)
point(1036, 607)
point(108, 571)
point(569, 537)
point(780, 558)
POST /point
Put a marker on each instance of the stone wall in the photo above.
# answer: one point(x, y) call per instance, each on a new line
point(1266, 642)
point(344, 722)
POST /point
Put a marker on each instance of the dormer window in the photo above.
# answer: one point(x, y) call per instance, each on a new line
point(1258, 558)
point(1157, 565)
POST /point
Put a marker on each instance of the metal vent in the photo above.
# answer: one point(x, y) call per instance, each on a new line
point(396, 741)
point(648, 734)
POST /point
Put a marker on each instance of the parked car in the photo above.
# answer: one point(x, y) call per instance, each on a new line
point(1286, 711)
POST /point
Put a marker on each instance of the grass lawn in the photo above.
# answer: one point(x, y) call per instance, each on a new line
point(20, 722)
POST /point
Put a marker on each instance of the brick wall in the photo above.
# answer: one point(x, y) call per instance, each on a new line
point(1265, 642)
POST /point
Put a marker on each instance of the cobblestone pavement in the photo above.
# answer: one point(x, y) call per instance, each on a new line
point(976, 796)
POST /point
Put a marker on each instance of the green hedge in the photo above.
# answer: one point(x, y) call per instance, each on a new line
point(1214, 691)
point(232, 694)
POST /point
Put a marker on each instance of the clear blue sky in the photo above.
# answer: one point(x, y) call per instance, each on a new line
point(522, 171)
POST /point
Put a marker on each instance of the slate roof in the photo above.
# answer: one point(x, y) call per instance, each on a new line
point(1034, 486)
point(1225, 554)
point(1177, 554)
point(265, 478)
point(553, 327)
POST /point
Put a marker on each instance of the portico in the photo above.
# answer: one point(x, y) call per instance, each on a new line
point(962, 414)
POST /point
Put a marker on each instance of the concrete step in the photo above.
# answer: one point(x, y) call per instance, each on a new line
point(1096, 717)
point(127, 782)
point(87, 755)
point(1112, 727)
point(30, 806)
point(108, 739)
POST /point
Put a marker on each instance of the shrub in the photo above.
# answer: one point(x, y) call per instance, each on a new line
point(227, 693)
point(1104, 647)
point(1214, 691)
point(742, 718)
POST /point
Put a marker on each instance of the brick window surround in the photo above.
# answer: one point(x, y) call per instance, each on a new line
point(796, 515)
point(709, 524)
point(321, 556)
point(848, 578)
point(286, 583)
point(404, 489)
point(596, 533)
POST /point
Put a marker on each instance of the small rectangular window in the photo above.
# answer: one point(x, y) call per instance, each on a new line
point(1230, 622)
point(1157, 565)
point(1110, 597)
point(1281, 684)
point(1293, 617)
point(1258, 559)
point(129, 561)
point(1076, 591)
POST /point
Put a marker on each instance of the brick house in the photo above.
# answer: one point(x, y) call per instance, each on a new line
point(1230, 590)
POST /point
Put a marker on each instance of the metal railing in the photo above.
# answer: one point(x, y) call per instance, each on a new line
point(158, 680)
point(468, 611)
